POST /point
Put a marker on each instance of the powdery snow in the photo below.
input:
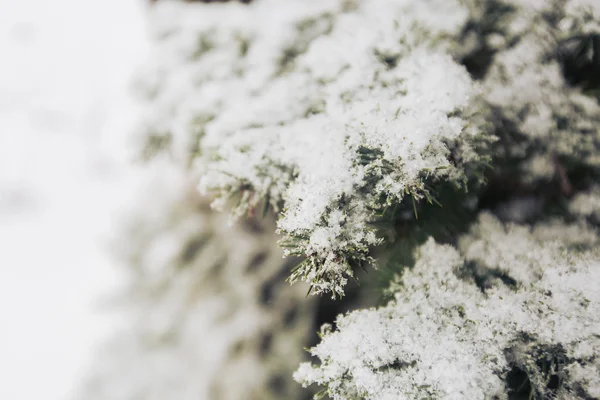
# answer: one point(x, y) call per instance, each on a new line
point(446, 337)
point(343, 112)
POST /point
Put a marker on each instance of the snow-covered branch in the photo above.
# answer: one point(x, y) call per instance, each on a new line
point(465, 323)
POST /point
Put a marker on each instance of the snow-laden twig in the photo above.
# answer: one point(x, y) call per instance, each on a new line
point(328, 111)
point(510, 298)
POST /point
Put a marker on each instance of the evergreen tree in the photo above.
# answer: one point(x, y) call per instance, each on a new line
point(441, 153)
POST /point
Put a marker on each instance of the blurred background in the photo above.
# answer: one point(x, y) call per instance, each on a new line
point(65, 114)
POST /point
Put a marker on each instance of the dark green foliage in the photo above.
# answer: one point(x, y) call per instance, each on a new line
point(580, 60)
point(493, 21)
point(445, 215)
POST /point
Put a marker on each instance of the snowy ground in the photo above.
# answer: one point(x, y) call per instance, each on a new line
point(65, 112)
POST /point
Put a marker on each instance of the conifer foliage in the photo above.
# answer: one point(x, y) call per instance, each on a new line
point(329, 122)
point(465, 322)
point(453, 144)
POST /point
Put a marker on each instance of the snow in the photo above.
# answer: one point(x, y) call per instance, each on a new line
point(344, 109)
point(445, 337)
point(525, 81)
point(64, 116)
point(587, 203)
point(351, 124)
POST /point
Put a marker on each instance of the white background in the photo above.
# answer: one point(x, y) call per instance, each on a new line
point(65, 112)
